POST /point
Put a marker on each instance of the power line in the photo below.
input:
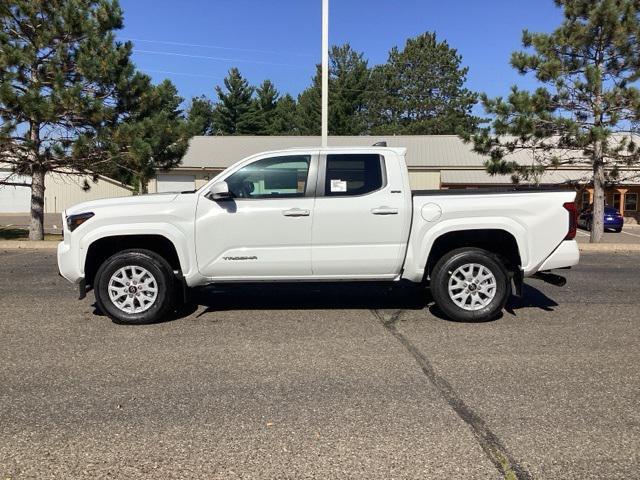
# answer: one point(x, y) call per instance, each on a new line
point(218, 47)
point(169, 72)
point(219, 59)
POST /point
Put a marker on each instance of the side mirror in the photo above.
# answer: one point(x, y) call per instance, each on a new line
point(220, 191)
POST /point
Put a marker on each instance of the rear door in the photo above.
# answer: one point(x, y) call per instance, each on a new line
point(361, 220)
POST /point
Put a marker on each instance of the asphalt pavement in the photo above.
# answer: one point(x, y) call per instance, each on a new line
point(322, 381)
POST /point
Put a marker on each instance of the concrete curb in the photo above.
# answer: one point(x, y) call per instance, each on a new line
point(609, 247)
point(26, 245)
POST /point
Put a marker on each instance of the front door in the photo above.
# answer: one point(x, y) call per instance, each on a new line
point(264, 230)
point(361, 221)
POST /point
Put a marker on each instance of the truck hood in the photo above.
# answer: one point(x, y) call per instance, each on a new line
point(122, 202)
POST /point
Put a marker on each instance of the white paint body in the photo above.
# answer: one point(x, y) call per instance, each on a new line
point(386, 234)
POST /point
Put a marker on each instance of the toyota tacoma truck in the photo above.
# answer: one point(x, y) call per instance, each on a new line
point(317, 214)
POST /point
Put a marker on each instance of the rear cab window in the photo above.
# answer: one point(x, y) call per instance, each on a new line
point(353, 174)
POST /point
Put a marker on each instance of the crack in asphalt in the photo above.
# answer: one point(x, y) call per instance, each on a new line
point(493, 447)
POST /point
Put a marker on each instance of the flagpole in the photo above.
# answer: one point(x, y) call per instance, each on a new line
point(325, 72)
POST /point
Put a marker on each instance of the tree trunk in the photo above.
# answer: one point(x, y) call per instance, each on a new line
point(597, 213)
point(143, 187)
point(36, 226)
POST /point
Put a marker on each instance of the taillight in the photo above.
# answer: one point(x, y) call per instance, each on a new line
point(573, 220)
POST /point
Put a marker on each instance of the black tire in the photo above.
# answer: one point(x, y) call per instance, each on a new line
point(448, 265)
point(165, 283)
point(588, 225)
point(617, 230)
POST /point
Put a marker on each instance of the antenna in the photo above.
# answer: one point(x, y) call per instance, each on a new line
point(380, 144)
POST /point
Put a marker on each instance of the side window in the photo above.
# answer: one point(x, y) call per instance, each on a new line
point(278, 177)
point(353, 174)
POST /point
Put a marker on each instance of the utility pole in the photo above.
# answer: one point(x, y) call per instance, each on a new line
point(325, 73)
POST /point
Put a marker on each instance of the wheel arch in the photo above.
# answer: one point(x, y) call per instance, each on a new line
point(495, 240)
point(104, 247)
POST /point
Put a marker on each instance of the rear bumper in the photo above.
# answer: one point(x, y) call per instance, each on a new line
point(566, 255)
point(613, 223)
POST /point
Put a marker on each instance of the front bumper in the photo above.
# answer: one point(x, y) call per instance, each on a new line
point(566, 255)
point(69, 263)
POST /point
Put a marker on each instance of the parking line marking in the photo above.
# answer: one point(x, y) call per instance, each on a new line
point(632, 234)
point(580, 232)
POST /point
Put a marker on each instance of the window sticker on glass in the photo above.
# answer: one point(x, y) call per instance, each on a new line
point(338, 185)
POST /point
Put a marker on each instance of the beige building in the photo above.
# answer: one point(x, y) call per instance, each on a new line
point(61, 191)
point(434, 161)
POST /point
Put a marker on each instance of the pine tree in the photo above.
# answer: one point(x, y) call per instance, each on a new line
point(235, 112)
point(200, 116)
point(284, 116)
point(59, 68)
point(420, 91)
point(266, 103)
point(348, 83)
point(152, 134)
point(584, 111)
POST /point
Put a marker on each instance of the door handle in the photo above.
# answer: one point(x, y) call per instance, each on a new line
point(296, 212)
point(384, 211)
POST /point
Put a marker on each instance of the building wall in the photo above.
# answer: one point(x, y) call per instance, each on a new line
point(64, 191)
point(424, 180)
point(201, 177)
point(61, 192)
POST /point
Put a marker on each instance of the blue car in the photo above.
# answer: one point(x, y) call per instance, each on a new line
point(612, 219)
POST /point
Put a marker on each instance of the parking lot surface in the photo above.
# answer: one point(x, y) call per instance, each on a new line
point(318, 381)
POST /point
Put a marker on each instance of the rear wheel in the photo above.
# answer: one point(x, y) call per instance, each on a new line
point(135, 287)
point(470, 284)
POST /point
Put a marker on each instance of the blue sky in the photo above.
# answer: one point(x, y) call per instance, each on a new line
point(195, 42)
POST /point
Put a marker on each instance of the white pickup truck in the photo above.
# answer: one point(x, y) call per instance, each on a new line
point(317, 214)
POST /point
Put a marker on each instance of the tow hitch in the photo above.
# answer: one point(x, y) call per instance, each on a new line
point(551, 278)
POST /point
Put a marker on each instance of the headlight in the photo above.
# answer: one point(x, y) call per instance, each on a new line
point(74, 221)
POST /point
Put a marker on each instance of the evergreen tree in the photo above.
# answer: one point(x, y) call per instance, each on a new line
point(284, 116)
point(420, 90)
point(348, 83)
point(152, 135)
point(266, 103)
point(236, 112)
point(587, 104)
point(59, 68)
point(200, 116)
point(308, 111)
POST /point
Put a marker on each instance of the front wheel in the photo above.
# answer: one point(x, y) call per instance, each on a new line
point(470, 284)
point(135, 287)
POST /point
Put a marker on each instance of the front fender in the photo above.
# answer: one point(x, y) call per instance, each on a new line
point(179, 239)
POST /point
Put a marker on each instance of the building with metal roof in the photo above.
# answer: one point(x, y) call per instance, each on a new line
point(434, 162)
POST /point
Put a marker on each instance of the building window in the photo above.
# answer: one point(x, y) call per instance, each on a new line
point(585, 200)
point(616, 201)
point(631, 202)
